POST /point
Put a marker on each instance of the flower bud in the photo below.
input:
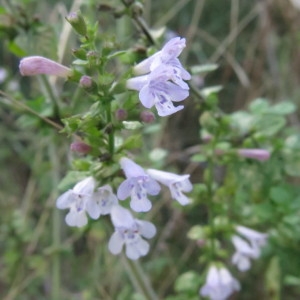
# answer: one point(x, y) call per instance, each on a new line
point(258, 154)
point(77, 22)
point(137, 9)
point(87, 83)
point(80, 147)
point(121, 114)
point(147, 116)
point(34, 65)
point(79, 53)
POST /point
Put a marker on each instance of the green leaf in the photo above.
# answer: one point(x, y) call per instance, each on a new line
point(280, 194)
point(15, 49)
point(241, 122)
point(199, 158)
point(283, 108)
point(197, 233)
point(132, 125)
point(272, 278)
point(291, 155)
point(132, 142)
point(80, 62)
point(293, 142)
point(188, 282)
point(71, 179)
point(268, 125)
point(200, 69)
point(259, 106)
point(291, 280)
point(116, 54)
point(206, 92)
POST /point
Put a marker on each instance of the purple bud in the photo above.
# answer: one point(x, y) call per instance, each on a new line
point(121, 114)
point(77, 22)
point(80, 147)
point(147, 116)
point(87, 83)
point(34, 65)
point(258, 154)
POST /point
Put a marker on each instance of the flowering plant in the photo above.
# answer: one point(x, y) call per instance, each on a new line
point(129, 172)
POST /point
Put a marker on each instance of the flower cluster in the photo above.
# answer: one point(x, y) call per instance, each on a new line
point(128, 231)
point(163, 83)
point(220, 284)
point(247, 247)
point(85, 199)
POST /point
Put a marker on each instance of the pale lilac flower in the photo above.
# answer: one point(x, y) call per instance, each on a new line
point(258, 154)
point(167, 56)
point(83, 198)
point(3, 75)
point(176, 183)
point(137, 185)
point(156, 89)
point(75, 199)
point(256, 238)
point(220, 284)
point(34, 65)
point(101, 202)
point(248, 248)
point(244, 252)
point(129, 231)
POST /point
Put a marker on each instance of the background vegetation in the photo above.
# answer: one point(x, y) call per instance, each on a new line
point(256, 46)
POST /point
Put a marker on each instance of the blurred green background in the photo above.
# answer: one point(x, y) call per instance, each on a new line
point(257, 47)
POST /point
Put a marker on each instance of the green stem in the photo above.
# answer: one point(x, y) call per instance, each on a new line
point(111, 138)
point(211, 213)
point(56, 226)
point(48, 91)
point(210, 196)
point(138, 278)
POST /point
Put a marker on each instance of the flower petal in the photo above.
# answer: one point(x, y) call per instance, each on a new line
point(176, 92)
point(137, 83)
point(74, 218)
point(166, 108)
point(121, 217)
point(140, 205)
point(93, 208)
point(85, 187)
point(152, 187)
point(147, 229)
point(65, 200)
point(115, 243)
point(147, 96)
point(124, 189)
point(130, 168)
point(137, 249)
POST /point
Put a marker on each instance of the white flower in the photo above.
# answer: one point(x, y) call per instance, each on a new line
point(219, 284)
point(257, 239)
point(129, 231)
point(176, 183)
point(247, 249)
point(167, 56)
point(101, 202)
point(137, 185)
point(75, 199)
point(164, 83)
point(84, 198)
point(157, 89)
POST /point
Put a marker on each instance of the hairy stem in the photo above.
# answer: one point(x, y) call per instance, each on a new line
point(138, 278)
